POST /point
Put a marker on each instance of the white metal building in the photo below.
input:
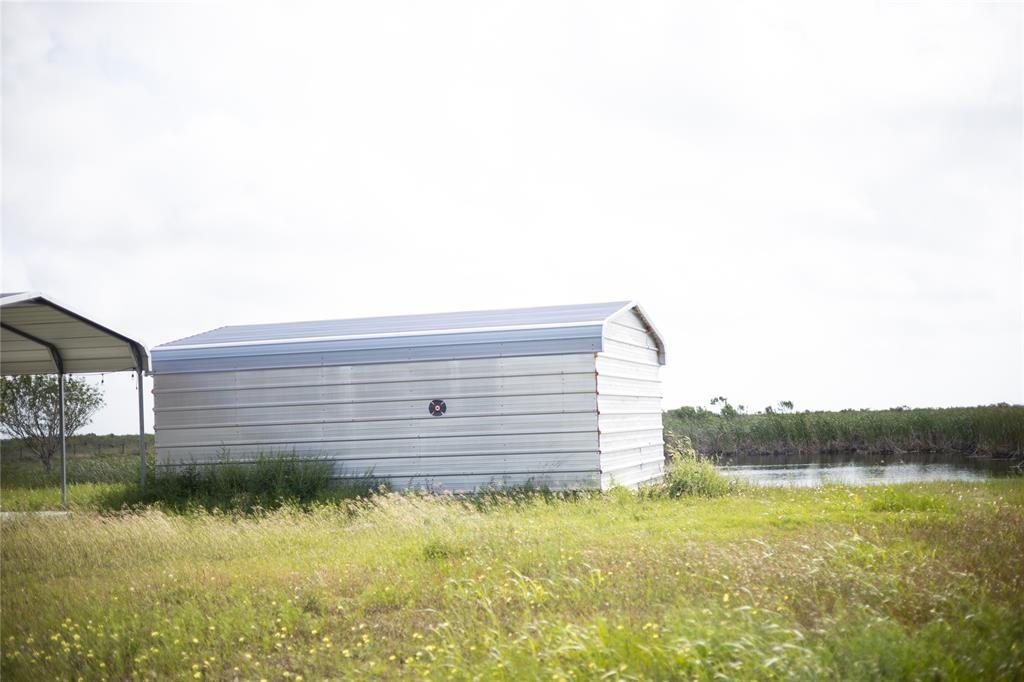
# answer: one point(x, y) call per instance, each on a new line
point(561, 397)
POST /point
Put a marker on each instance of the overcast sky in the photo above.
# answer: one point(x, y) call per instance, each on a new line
point(815, 203)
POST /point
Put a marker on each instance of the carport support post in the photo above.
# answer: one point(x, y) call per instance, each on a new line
point(142, 435)
point(63, 447)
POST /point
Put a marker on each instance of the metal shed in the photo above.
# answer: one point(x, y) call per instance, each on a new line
point(561, 397)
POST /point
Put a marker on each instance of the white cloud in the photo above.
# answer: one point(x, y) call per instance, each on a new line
point(816, 202)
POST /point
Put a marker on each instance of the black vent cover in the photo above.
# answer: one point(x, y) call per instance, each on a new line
point(437, 408)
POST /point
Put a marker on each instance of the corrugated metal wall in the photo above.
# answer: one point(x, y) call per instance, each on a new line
point(564, 397)
point(509, 420)
point(629, 403)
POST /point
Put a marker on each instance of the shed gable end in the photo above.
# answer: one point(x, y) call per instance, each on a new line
point(629, 400)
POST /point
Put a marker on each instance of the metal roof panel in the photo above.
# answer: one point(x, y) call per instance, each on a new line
point(373, 327)
point(41, 336)
point(551, 330)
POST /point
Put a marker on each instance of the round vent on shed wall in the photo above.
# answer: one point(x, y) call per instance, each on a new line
point(437, 408)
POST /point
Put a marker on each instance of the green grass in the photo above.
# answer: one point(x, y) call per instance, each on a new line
point(267, 483)
point(991, 430)
point(85, 444)
point(102, 473)
point(908, 582)
point(81, 497)
point(93, 483)
point(110, 483)
point(29, 472)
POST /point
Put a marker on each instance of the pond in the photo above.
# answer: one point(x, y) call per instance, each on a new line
point(856, 469)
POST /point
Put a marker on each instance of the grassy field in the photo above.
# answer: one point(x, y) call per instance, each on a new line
point(102, 474)
point(86, 444)
point(916, 581)
point(988, 430)
point(267, 573)
point(109, 483)
point(100, 482)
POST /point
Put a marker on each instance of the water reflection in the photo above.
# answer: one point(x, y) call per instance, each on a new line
point(816, 470)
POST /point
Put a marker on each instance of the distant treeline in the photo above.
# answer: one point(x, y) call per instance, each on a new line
point(84, 444)
point(985, 430)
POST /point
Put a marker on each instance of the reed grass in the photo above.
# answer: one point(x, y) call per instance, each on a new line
point(988, 430)
point(689, 474)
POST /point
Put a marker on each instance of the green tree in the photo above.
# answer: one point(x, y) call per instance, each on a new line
point(30, 410)
point(727, 410)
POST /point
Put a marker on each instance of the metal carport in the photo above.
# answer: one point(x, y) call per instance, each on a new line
point(40, 336)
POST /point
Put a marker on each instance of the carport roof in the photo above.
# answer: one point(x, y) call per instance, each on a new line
point(40, 336)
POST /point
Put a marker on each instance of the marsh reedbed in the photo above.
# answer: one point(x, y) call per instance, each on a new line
point(986, 430)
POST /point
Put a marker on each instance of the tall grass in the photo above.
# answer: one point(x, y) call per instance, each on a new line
point(687, 474)
point(30, 473)
point(268, 482)
point(111, 483)
point(86, 444)
point(93, 482)
point(914, 582)
point(990, 430)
